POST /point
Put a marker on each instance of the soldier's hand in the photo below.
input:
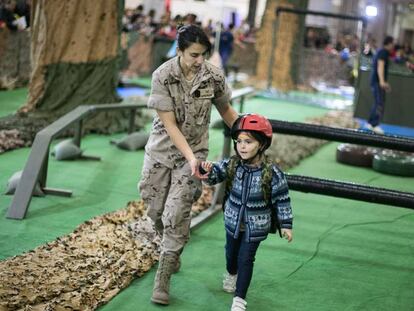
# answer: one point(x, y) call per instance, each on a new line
point(195, 169)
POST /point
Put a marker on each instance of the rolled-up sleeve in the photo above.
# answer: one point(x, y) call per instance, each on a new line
point(160, 98)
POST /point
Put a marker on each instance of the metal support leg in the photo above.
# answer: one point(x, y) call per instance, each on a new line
point(78, 133)
point(43, 172)
point(57, 192)
point(77, 141)
point(132, 121)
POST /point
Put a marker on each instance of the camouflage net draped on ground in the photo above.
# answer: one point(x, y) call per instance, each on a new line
point(10, 139)
point(84, 269)
point(20, 129)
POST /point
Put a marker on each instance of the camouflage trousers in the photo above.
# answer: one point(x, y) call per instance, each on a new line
point(169, 195)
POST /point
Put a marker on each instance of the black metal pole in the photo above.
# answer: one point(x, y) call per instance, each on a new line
point(319, 13)
point(343, 135)
point(350, 191)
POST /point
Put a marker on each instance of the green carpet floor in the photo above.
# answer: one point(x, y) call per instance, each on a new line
point(346, 255)
point(10, 101)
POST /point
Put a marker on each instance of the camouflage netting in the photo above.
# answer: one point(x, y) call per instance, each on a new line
point(74, 54)
point(10, 139)
point(27, 125)
point(85, 269)
point(286, 34)
point(14, 58)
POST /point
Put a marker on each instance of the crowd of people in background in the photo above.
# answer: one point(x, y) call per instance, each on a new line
point(347, 47)
point(15, 15)
point(135, 20)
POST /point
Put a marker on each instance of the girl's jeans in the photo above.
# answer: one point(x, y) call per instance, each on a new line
point(240, 256)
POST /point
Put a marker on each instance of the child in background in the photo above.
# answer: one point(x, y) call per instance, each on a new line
point(256, 202)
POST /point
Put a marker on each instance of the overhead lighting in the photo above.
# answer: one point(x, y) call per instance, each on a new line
point(371, 10)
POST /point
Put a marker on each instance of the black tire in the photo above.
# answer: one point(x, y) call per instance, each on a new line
point(355, 155)
point(394, 163)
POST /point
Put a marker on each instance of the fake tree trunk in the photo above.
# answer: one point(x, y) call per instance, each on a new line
point(74, 54)
point(288, 38)
point(75, 50)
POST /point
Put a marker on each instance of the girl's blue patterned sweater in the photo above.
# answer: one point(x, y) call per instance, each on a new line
point(246, 203)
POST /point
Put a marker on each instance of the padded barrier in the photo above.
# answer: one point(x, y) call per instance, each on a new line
point(394, 163)
point(356, 155)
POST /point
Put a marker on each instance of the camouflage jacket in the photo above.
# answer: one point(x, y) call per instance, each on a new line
point(191, 106)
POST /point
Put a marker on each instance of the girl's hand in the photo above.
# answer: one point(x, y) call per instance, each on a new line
point(206, 166)
point(287, 234)
point(198, 170)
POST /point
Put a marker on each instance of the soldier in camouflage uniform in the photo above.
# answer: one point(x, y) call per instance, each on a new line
point(183, 91)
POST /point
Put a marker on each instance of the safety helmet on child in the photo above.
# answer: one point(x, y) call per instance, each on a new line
point(253, 123)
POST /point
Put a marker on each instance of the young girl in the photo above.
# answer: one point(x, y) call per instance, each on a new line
point(256, 201)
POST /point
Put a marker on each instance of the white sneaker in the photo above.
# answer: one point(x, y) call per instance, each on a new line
point(229, 282)
point(239, 304)
point(377, 129)
point(368, 126)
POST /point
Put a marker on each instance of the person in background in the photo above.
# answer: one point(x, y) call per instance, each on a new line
point(9, 17)
point(189, 19)
point(23, 9)
point(183, 91)
point(379, 84)
point(226, 46)
point(256, 201)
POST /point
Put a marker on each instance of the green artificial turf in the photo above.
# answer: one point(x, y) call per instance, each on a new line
point(346, 255)
point(10, 101)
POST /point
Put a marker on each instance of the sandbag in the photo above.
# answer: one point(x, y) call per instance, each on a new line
point(14, 181)
point(134, 141)
point(66, 150)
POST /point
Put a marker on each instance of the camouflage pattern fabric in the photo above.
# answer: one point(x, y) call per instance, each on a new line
point(167, 186)
point(15, 65)
point(84, 269)
point(191, 106)
point(77, 40)
point(169, 194)
point(10, 139)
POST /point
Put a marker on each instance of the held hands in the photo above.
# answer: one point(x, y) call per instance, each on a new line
point(200, 169)
point(287, 234)
point(205, 167)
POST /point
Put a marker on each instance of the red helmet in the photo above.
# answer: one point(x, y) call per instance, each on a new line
point(253, 122)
